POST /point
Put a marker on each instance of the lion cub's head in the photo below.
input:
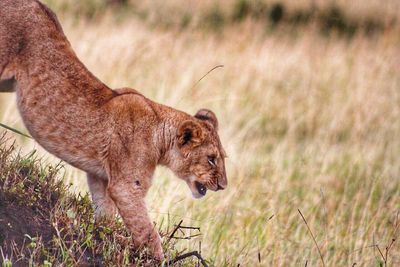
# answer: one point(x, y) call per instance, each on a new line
point(200, 158)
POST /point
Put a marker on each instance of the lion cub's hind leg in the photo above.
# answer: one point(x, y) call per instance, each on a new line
point(103, 204)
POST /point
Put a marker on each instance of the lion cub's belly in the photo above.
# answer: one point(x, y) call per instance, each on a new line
point(66, 129)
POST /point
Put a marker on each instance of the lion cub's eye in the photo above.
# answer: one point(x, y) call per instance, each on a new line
point(211, 160)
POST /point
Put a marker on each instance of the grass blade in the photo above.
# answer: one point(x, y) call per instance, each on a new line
point(14, 130)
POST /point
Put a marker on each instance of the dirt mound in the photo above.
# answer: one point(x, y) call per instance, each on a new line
point(42, 222)
point(19, 223)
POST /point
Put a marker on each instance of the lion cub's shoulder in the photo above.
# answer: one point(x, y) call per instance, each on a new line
point(124, 91)
point(132, 105)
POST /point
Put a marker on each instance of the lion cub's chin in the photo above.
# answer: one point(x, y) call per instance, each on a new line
point(198, 189)
point(197, 195)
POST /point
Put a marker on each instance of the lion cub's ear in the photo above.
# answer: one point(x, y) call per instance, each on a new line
point(190, 133)
point(207, 115)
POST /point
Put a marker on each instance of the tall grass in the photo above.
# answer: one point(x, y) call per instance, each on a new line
point(309, 122)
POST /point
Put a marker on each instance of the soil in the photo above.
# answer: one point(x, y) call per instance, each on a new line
point(17, 221)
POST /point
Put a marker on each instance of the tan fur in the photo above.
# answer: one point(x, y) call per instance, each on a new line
point(116, 136)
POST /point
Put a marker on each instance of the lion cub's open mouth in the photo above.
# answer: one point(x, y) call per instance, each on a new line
point(200, 188)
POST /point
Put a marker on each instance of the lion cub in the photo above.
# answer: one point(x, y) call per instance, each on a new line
point(116, 136)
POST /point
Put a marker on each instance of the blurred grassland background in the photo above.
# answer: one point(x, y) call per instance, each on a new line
point(309, 107)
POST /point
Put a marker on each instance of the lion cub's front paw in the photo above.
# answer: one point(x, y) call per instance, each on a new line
point(155, 247)
point(158, 254)
point(152, 242)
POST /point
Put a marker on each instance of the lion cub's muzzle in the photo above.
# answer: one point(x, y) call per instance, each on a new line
point(222, 183)
point(219, 187)
point(199, 189)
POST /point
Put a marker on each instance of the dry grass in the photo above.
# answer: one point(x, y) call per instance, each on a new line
point(309, 122)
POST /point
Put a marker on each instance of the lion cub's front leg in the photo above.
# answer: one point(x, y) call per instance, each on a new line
point(128, 195)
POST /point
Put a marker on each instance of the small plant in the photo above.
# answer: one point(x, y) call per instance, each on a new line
point(6, 263)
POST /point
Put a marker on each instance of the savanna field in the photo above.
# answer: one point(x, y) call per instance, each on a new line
point(307, 94)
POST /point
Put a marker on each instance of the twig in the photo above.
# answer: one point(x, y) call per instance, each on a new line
point(312, 235)
point(380, 252)
point(181, 231)
point(186, 237)
point(187, 255)
point(179, 227)
point(361, 248)
point(176, 229)
point(258, 250)
point(389, 247)
point(190, 227)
